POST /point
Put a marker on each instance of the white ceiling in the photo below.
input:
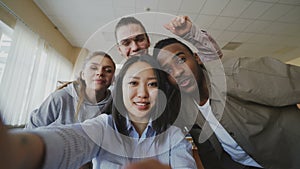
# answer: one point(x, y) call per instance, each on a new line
point(265, 27)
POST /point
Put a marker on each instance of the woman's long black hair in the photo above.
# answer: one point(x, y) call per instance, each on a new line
point(168, 109)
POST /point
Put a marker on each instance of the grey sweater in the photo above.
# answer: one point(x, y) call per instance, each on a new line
point(60, 107)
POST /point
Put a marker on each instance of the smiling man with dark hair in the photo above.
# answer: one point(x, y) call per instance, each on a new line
point(246, 107)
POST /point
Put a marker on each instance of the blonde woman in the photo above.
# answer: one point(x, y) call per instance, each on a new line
point(78, 100)
point(81, 99)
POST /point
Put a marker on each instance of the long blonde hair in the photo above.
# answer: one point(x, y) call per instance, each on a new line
point(80, 83)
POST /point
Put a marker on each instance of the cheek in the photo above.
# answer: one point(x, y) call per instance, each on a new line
point(110, 76)
point(145, 46)
point(172, 80)
point(153, 94)
point(124, 51)
point(127, 94)
point(86, 76)
point(88, 73)
point(195, 72)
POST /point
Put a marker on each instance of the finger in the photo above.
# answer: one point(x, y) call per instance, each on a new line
point(176, 24)
point(187, 19)
point(182, 19)
point(178, 21)
point(169, 27)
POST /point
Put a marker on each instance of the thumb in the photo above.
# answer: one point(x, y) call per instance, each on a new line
point(186, 18)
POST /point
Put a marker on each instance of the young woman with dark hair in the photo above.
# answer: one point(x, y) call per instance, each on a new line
point(140, 127)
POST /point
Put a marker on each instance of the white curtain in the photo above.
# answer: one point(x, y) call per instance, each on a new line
point(31, 73)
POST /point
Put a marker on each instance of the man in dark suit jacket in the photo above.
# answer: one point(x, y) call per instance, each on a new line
point(248, 116)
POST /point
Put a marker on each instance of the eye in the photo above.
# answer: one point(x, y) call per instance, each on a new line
point(133, 83)
point(125, 42)
point(140, 38)
point(180, 60)
point(93, 67)
point(108, 70)
point(153, 84)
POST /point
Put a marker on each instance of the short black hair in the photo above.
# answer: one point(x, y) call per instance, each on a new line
point(126, 21)
point(166, 42)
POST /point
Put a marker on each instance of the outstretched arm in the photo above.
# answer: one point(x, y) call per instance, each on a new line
point(208, 49)
point(263, 80)
point(60, 147)
point(24, 151)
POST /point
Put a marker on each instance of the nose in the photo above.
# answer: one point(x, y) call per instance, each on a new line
point(134, 46)
point(142, 91)
point(99, 72)
point(177, 71)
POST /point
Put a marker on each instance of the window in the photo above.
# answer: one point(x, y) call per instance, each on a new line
point(5, 43)
point(30, 71)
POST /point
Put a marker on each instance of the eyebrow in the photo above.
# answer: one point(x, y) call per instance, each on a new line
point(176, 55)
point(173, 57)
point(149, 78)
point(100, 64)
point(128, 38)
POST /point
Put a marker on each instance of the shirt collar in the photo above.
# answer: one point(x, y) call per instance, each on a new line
point(148, 132)
point(129, 123)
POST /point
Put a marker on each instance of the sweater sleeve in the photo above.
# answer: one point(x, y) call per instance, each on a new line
point(208, 49)
point(70, 146)
point(263, 80)
point(46, 114)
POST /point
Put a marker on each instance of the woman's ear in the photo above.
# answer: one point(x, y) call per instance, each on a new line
point(198, 59)
point(81, 74)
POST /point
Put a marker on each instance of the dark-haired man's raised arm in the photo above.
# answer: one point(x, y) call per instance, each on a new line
point(208, 49)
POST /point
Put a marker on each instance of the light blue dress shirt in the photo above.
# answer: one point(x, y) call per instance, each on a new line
point(70, 146)
point(148, 132)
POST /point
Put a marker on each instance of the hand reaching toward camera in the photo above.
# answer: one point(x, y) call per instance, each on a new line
point(147, 164)
point(5, 148)
point(179, 26)
point(20, 150)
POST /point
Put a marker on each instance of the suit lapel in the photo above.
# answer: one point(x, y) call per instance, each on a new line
point(206, 133)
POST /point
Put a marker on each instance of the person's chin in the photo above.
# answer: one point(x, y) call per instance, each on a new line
point(190, 90)
point(100, 87)
point(140, 53)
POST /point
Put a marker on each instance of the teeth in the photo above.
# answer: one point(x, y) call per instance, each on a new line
point(141, 104)
point(184, 82)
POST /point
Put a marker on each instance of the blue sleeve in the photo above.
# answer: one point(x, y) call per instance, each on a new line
point(71, 146)
point(181, 155)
